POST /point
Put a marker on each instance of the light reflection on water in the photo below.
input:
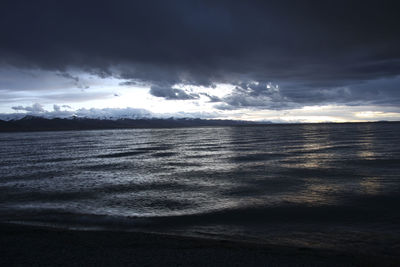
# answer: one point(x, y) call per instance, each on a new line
point(218, 175)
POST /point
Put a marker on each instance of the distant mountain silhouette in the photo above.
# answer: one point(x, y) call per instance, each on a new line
point(32, 123)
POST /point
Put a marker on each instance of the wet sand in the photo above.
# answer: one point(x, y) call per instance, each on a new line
point(39, 246)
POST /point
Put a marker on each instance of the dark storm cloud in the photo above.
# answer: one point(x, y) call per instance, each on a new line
point(171, 93)
point(317, 51)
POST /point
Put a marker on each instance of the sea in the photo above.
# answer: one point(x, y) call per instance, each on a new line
point(330, 186)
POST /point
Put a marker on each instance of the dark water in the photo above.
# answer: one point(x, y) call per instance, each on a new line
point(323, 185)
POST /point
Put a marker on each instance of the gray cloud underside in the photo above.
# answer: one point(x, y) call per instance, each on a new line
point(317, 51)
point(172, 93)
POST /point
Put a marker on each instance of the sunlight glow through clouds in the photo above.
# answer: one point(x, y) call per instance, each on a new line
point(139, 97)
point(377, 114)
point(327, 113)
point(86, 91)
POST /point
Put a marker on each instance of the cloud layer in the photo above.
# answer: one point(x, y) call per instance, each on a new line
point(317, 52)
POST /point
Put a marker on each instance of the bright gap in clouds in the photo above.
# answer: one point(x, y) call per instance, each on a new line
point(326, 113)
point(139, 97)
point(77, 90)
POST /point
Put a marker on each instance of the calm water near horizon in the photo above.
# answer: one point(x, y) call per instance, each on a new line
point(317, 185)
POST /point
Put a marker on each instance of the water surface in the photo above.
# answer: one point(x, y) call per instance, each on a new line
point(319, 185)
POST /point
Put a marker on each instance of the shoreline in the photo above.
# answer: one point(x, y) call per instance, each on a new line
point(250, 124)
point(22, 245)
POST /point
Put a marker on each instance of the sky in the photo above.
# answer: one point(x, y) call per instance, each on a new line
point(279, 61)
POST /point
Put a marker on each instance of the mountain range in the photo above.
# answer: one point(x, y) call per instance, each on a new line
point(33, 123)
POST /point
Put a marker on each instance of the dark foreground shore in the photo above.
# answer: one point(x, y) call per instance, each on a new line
point(39, 246)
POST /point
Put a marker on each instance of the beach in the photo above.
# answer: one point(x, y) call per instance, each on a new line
point(22, 245)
